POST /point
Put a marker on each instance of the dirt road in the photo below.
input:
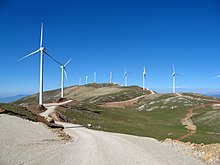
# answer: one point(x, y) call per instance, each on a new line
point(100, 148)
point(51, 107)
point(25, 142)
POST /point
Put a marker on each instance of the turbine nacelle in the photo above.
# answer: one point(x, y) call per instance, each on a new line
point(42, 49)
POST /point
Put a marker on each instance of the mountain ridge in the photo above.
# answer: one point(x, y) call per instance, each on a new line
point(12, 98)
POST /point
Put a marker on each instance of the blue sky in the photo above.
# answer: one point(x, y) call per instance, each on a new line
point(112, 35)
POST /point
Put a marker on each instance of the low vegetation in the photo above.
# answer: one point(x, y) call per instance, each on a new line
point(18, 111)
point(160, 118)
point(153, 115)
point(158, 124)
point(126, 93)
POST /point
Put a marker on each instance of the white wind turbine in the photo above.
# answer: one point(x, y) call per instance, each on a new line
point(94, 77)
point(174, 74)
point(63, 72)
point(110, 78)
point(86, 79)
point(42, 52)
point(126, 78)
point(144, 77)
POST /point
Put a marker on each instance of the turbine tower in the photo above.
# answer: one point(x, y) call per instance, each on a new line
point(63, 72)
point(42, 52)
point(126, 78)
point(86, 79)
point(94, 76)
point(110, 78)
point(144, 77)
point(174, 74)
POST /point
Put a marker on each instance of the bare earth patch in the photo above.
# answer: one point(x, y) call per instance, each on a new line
point(210, 153)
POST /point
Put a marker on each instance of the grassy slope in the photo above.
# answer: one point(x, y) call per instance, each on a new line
point(207, 121)
point(125, 93)
point(74, 92)
point(18, 111)
point(159, 123)
point(155, 124)
point(155, 116)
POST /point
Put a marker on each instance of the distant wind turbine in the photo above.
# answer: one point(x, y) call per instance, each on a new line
point(86, 79)
point(174, 74)
point(110, 78)
point(126, 78)
point(94, 76)
point(63, 72)
point(144, 77)
point(42, 52)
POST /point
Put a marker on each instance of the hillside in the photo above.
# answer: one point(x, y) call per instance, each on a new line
point(90, 92)
point(130, 110)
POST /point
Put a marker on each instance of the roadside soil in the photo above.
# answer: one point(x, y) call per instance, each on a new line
point(189, 125)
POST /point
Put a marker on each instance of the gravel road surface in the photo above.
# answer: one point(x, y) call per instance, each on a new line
point(25, 142)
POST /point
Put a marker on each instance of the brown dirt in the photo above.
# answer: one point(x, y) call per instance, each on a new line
point(2, 110)
point(216, 106)
point(62, 135)
point(34, 109)
point(209, 153)
point(191, 128)
point(189, 123)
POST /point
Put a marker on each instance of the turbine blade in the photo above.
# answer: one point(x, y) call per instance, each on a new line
point(67, 62)
point(53, 58)
point(29, 55)
point(144, 70)
point(217, 76)
point(178, 75)
point(174, 69)
point(41, 35)
point(64, 70)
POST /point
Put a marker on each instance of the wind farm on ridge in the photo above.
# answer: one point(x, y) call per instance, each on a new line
point(110, 82)
point(63, 72)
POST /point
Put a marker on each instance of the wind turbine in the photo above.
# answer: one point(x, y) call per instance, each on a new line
point(110, 78)
point(86, 79)
point(126, 78)
point(94, 76)
point(42, 52)
point(144, 77)
point(63, 72)
point(174, 74)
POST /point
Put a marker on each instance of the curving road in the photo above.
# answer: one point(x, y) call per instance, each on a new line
point(30, 143)
point(100, 148)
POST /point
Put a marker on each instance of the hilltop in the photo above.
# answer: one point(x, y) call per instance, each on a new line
point(186, 117)
point(100, 92)
point(111, 107)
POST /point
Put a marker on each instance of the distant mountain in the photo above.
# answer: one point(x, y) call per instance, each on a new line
point(12, 98)
point(215, 95)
